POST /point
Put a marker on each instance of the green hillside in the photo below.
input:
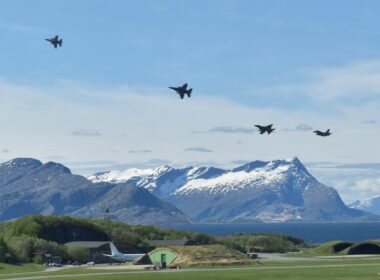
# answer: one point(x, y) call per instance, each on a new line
point(263, 242)
point(338, 247)
point(209, 255)
point(332, 247)
point(22, 238)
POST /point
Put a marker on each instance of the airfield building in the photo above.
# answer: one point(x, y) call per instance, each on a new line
point(96, 248)
point(177, 256)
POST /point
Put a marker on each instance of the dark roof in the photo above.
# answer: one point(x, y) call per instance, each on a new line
point(87, 244)
point(181, 242)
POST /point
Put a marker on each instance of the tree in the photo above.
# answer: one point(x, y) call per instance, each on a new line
point(79, 254)
point(3, 250)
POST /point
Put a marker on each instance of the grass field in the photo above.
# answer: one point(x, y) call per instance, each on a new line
point(322, 269)
point(346, 273)
point(302, 274)
point(19, 268)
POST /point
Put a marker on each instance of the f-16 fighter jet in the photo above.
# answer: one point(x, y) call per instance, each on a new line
point(323, 134)
point(182, 91)
point(55, 41)
point(268, 129)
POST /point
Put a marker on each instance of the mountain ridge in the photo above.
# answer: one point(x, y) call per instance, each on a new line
point(369, 205)
point(27, 186)
point(278, 190)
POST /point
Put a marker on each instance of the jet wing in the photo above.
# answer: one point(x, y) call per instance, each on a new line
point(184, 86)
point(261, 128)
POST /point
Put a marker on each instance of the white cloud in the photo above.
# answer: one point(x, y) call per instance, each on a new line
point(140, 151)
point(199, 149)
point(304, 127)
point(85, 132)
point(300, 127)
point(370, 187)
point(352, 85)
point(358, 79)
point(352, 181)
point(231, 129)
point(131, 119)
point(369, 121)
point(20, 28)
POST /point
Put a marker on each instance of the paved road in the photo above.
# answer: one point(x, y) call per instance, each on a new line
point(277, 257)
point(192, 270)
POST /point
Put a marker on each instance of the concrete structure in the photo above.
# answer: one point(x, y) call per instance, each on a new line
point(162, 257)
point(178, 256)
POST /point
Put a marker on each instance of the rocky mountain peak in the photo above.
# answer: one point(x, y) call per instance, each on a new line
point(57, 167)
point(22, 163)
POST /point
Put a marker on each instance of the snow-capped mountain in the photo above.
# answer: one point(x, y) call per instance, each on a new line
point(370, 205)
point(280, 190)
point(27, 186)
point(161, 181)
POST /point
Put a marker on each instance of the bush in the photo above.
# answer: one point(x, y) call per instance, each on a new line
point(264, 242)
point(38, 259)
point(3, 251)
point(25, 247)
point(79, 254)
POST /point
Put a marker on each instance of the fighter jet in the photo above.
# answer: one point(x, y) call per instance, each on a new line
point(55, 41)
point(268, 129)
point(182, 91)
point(323, 134)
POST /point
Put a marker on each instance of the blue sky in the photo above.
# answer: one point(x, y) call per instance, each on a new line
point(102, 99)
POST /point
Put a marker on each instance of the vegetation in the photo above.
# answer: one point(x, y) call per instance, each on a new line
point(209, 255)
point(332, 247)
point(4, 251)
point(8, 269)
point(260, 242)
point(79, 254)
point(341, 248)
point(24, 248)
point(60, 229)
point(25, 238)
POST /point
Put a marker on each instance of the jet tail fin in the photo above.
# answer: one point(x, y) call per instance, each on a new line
point(189, 92)
point(114, 250)
point(60, 42)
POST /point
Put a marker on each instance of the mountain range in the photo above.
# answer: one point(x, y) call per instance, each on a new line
point(274, 191)
point(371, 205)
point(29, 187)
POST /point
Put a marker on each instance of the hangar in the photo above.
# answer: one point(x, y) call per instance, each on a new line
point(96, 248)
point(177, 256)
